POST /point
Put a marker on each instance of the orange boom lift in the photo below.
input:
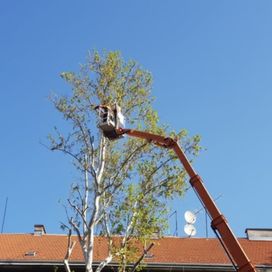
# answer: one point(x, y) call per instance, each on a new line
point(111, 123)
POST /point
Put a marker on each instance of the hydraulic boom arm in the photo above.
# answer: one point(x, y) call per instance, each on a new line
point(218, 223)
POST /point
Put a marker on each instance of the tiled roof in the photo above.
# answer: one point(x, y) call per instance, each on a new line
point(168, 250)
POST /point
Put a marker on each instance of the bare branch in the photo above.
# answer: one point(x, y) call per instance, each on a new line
point(104, 263)
point(102, 153)
point(78, 211)
point(141, 258)
point(95, 212)
point(131, 223)
point(85, 200)
point(70, 247)
point(75, 227)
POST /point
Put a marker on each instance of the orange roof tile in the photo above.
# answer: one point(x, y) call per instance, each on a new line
point(168, 250)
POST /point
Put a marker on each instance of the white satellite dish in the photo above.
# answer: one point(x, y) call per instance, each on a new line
point(190, 217)
point(190, 230)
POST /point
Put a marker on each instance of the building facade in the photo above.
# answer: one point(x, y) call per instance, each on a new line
point(39, 251)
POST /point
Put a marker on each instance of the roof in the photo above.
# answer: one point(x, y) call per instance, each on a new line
point(166, 251)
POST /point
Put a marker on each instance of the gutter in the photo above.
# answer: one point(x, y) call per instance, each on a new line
point(149, 266)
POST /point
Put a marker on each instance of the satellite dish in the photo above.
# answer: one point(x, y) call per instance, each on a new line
point(190, 230)
point(190, 217)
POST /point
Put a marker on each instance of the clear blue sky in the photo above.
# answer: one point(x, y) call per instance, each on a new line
point(211, 62)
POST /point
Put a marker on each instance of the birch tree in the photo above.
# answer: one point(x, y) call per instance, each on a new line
point(123, 186)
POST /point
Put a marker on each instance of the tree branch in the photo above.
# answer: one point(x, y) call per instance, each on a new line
point(124, 163)
point(70, 247)
point(141, 258)
point(102, 153)
point(78, 211)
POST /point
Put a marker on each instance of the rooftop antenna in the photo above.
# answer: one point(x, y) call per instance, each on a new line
point(206, 215)
point(176, 222)
point(189, 227)
point(190, 230)
point(4, 217)
point(190, 217)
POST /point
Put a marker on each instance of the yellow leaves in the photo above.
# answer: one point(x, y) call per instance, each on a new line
point(96, 57)
point(109, 68)
point(68, 76)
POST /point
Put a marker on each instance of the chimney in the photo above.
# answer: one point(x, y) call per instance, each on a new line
point(39, 230)
point(259, 234)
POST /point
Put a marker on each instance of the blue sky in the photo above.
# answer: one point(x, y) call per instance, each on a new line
point(211, 62)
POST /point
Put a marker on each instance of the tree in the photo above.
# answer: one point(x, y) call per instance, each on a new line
point(123, 186)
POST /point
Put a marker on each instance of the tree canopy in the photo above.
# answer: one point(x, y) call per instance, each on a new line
point(123, 186)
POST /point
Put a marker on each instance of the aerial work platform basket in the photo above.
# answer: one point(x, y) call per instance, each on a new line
point(110, 119)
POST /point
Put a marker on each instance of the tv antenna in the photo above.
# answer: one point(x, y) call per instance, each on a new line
point(176, 221)
point(4, 217)
point(206, 215)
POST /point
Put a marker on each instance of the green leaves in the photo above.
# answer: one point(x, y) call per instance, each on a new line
point(68, 76)
point(137, 178)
